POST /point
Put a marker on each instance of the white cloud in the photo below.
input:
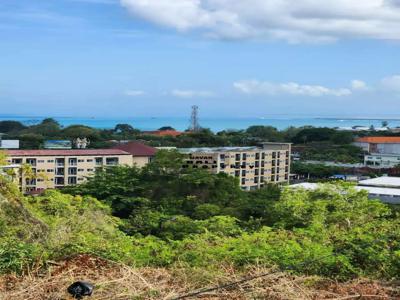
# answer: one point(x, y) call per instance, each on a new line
point(192, 94)
point(293, 21)
point(358, 85)
point(391, 83)
point(255, 87)
point(134, 93)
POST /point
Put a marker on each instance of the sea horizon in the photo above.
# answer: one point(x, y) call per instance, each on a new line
point(213, 123)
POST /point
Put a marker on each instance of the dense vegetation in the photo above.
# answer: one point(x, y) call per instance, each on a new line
point(311, 143)
point(163, 216)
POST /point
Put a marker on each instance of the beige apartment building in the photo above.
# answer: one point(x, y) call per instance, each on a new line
point(253, 166)
point(59, 168)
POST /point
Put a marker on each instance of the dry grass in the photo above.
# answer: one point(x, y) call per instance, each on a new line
point(119, 282)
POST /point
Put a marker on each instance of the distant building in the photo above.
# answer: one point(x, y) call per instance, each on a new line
point(386, 189)
point(141, 153)
point(9, 144)
point(379, 144)
point(59, 168)
point(382, 151)
point(58, 144)
point(253, 166)
point(162, 133)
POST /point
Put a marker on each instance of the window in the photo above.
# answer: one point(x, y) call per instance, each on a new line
point(256, 172)
point(40, 161)
point(72, 171)
point(59, 181)
point(50, 161)
point(112, 161)
point(99, 161)
point(255, 179)
point(237, 173)
point(50, 170)
point(272, 178)
point(237, 156)
point(89, 160)
point(90, 170)
point(243, 181)
point(222, 165)
point(257, 156)
point(262, 171)
point(72, 180)
point(263, 155)
point(81, 160)
point(222, 156)
point(244, 156)
point(72, 161)
point(243, 172)
point(257, 164)
point(31, 161)
point(81, 170)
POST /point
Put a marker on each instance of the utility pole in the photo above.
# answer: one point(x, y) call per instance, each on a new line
point(194, 119)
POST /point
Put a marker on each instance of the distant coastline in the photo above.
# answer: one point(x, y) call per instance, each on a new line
point(215, 124)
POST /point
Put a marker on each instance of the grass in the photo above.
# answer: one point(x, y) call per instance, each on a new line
point(120, 282)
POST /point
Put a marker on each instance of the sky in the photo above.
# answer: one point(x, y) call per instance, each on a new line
point(247, 58)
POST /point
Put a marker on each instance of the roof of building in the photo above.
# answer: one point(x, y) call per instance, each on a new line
point(369, 189)
point(69, 152)
point(217, 149)
point(383, 181)
point(379, 139)
point(137, 149)
point(164, 132)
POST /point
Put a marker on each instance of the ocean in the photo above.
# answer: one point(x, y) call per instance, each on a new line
point(215, 124)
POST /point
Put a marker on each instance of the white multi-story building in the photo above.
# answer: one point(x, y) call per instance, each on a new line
point(253, 166)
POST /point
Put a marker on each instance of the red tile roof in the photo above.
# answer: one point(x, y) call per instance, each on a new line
point(164, 132)
point(379, 139)
point(137, 149)
point(72, 152)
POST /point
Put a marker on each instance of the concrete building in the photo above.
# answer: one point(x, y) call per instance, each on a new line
point(379, 144)
point(141, 153)
point(253, 166)
point(59, 168)
point(382, 160)
point(381, 151)
point(386, 189)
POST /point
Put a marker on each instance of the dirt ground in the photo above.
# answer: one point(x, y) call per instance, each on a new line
point(119, 282)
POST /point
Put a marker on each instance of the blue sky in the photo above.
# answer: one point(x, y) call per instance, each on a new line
point(111, 58)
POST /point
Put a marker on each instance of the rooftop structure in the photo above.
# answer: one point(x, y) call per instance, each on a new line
point(136, 149)
point(384, 181)
point(380, 139)
point(386, 195)
point(216, 149)
point(72, 152)
point(164, 132)
point(141, 153)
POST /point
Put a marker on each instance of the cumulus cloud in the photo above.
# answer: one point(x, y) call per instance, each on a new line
point(191, 93)
point(134, 93)
point(255, 87)
point(293, 21)
point(359, 85)
point(391, 83)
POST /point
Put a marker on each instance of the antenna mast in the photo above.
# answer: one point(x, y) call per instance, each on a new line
point(194, 119)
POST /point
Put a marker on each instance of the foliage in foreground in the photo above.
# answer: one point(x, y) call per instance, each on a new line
point(334, 231)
